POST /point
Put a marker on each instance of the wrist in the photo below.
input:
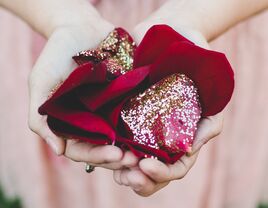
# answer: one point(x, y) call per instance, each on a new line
point(187, 16)
point(80, 15)
point(46, 16)
point(181, 16)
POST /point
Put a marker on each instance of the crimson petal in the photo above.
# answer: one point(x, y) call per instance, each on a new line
point(82, 120)
point(143, 151)
point(84, 74)
point(155, 41)
point(210, 71)
point(118, 87)
point(66, 130)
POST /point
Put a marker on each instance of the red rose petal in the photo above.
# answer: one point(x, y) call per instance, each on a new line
point(84, 74)
point(155, 41)
point(143, 151)
point(210, 71)
point(81, 119)
point(114, 114)
point(118, 87)
point(68, 131)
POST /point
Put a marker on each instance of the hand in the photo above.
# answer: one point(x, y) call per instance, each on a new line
point(151, 175)
point(52, 67)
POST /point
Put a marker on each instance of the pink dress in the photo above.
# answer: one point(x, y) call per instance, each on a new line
point(231, 171)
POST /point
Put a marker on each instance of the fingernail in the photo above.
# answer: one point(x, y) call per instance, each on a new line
point(53, 145)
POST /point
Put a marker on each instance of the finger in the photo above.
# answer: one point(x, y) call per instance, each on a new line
point(142, 184)
point(160, 172)
point(38, 124)
point(148, 192)
point(123, 176)
point(116, 175)
point(128, 160)
point(208, 128)
point(182, 166)
point(120, 176)
point(92, 154)
point(137, 180)
point(41, 81)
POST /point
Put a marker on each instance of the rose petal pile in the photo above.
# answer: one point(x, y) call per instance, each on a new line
point(91, 103)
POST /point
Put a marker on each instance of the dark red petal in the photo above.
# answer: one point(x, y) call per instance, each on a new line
point(114, 114)
point(143, 151)
point(210, 71)
point(118, 87)
point(84, 74)
point(155, 41)
point(83, 120)
point(68, 131)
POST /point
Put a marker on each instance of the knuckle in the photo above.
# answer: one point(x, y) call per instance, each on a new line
point(106, 158)
point(152, 171)
point(180, 173)
point(70, 155)
point(139, 184)
point(147, 191)
point(183, 174)
point(217, 130)
point(33, 126)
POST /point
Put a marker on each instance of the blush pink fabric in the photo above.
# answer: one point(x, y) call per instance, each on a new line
point(231, 171)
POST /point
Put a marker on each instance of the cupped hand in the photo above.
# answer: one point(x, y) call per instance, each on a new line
point(151, 175)
point(53, 67)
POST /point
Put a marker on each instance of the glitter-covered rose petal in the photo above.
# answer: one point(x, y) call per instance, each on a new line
point(165, 115)
point(115, 51)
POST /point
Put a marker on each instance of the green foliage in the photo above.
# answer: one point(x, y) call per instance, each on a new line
point(6, 202)
point(263, 205)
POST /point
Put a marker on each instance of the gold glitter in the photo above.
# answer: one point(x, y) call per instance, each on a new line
point(117, 50)
point(165, 115)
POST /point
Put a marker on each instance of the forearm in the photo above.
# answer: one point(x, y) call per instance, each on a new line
point(45, 16)
point(210, 17)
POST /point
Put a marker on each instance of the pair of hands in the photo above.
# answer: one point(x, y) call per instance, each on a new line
point(55, 64)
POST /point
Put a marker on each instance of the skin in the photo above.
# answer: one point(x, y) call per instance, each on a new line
point(70, 26)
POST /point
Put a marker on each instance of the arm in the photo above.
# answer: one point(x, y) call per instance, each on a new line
point(45, 16)
point(209, 17)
